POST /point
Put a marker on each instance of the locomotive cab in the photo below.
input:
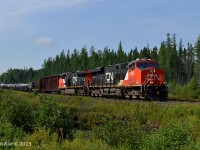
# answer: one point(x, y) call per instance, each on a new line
point(151, 74)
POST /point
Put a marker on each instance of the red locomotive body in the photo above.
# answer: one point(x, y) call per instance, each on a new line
point(144, 72)
point(144, 78)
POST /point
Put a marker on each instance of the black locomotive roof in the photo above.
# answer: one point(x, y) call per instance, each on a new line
point(80, 72)
point(97, 69)
point(131, 62)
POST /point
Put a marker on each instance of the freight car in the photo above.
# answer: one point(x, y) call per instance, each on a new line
point(17, 86)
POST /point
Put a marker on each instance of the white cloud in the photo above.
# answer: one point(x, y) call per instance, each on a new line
point(13, 11)
point(45, 42)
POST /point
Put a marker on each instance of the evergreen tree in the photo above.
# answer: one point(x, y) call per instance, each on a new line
point(66, 62)
point(180, 69)
point(135, 54)
point(113, 56)
point(197, 66)
point(75, 61)
point(121, 57)
point(190, 62)
point(84, 59)
point(185, 65)
point(162, 56)
point(168, 58)
point(174, 60)
point(101, 60)
point(154, 53)
point(93, 59)
point(193, 88)
point(145, 53)
point(130, 55)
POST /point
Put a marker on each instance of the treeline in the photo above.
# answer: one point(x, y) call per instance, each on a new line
point(94, 58)
point(20, 75)
point(180, 63)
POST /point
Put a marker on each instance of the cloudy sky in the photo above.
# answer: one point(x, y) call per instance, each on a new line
point(32, 30)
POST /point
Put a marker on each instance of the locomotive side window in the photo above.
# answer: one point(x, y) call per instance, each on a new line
point(132, 66)
point(147, 65)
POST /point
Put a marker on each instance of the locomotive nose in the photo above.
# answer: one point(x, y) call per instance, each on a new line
point(153, 76)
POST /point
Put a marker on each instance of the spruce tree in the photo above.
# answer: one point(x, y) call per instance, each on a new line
point(154, 53)
point(180, 70)
point(162, 56)
point(197, 66)
point(120, 54)
point(135, 54)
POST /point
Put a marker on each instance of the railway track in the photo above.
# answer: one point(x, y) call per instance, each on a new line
point(183, 101)
point(143, 100)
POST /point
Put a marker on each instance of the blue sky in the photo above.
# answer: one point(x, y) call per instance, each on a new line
point(32, 30)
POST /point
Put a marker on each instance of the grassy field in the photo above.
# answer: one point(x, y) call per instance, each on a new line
point(90, 123)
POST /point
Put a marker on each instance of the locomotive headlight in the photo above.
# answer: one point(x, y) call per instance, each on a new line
point(154, 70)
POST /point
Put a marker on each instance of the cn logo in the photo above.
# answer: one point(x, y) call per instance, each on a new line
point(109, 76)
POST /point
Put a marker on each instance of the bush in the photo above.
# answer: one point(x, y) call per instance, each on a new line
point(184, 92)
point(18, 112)
point(53, 117)
point(174, 136)
point(84, 141)
point(120, 133)
point(193, 88)
point(10, 134)
point(42, 140)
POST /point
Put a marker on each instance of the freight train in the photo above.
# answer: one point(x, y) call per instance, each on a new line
point(140, 79)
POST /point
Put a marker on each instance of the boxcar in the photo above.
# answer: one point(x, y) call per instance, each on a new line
point(49, 84)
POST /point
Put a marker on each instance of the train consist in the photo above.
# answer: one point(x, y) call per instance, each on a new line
point(141, 78)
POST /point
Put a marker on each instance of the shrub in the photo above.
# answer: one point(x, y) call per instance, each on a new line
point(41, 140)
point(176, 135)
point(120, 133)
point(53, 117)
point(18, 112)
point(10, 134)
point(84, 144)
point(193, 88)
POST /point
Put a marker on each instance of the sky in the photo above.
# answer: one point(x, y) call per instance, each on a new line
point(32, 30)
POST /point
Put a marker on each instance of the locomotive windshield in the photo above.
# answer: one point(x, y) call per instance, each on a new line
point(145, 65)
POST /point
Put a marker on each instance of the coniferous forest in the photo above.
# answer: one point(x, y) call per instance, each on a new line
point(180, 62)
